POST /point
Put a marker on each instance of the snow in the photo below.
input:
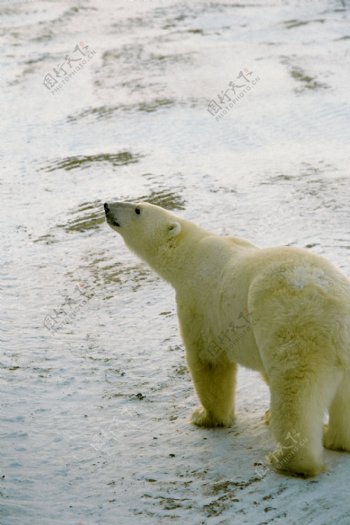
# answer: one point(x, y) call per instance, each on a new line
point(95, 394)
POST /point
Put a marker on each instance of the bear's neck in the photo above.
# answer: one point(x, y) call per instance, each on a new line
point(175, 262)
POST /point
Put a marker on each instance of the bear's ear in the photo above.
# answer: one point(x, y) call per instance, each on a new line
point(174, 229)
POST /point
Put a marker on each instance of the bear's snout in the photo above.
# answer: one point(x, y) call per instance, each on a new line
point(111, 219)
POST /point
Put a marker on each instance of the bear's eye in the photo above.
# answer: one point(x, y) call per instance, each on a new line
point(137, 211)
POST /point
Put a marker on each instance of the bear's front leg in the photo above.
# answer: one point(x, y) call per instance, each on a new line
point(214, 384)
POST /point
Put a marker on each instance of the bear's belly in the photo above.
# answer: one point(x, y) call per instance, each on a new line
point(238, 345)
point(242, 349)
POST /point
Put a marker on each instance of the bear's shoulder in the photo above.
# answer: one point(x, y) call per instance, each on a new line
point(237, 241)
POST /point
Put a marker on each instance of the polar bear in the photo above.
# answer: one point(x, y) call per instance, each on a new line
point(282, 311)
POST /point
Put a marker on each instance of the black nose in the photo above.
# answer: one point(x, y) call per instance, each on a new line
point(106, 207)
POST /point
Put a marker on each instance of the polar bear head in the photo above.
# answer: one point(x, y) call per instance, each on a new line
point(146, 229)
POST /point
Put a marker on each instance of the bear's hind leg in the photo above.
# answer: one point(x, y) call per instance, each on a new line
point(337, 435)
point(267, 415)
point(214, 384)
point(299, 399)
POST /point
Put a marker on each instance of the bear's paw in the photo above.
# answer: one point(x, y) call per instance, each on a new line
point(335, 441)
point(202, 418)
point(302, 463)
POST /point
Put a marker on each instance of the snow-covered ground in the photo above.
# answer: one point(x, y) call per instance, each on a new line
point(95, 395)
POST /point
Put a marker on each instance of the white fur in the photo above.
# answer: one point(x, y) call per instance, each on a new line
point(282, 311)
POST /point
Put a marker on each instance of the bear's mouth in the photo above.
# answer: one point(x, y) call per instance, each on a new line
point(112, 221)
